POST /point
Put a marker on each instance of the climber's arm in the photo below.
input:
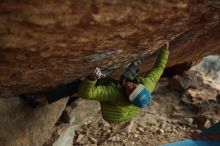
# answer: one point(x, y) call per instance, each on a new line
point(89, 90)
point(150, 80)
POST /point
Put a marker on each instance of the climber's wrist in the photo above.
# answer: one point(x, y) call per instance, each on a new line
point(96, 74)
point(167, 45)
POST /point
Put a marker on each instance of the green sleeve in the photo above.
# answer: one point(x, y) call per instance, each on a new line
point(150, 80)
point(89, 90)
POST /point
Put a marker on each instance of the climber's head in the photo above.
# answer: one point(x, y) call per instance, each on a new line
point(137, 94)
point(129, 86)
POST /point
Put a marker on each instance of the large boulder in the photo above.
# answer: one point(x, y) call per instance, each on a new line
point(49, 124)
point(47, 43)
point(75, 115)
point(21, 125)
point(196, 86)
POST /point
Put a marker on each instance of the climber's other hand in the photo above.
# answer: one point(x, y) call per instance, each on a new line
point(96, 74)
point(167, 45)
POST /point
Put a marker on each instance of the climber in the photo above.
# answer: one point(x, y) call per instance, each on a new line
point(121, 101)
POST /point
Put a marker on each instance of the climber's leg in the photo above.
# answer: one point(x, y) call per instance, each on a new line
point(63, 91)
point(31, 99)
point(58, 93)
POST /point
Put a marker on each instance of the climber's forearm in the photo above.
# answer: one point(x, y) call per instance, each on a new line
point(162, 59)
point(89, 90)
point(86, 88)
point(150, 80)
point(159, 65)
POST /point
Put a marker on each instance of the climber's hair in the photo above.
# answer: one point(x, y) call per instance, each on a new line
point(126, 79)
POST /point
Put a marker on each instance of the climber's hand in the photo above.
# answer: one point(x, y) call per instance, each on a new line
point(167, 45)
point(132, 70)
point(97, 74)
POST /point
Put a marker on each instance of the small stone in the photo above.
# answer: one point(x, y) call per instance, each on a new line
point(93, 139)
point(90, 145)
point(140, 129)
point(129, 127)
point(79, 138)
point(114, 138)
point(162, 125)
point(160, 131)
point(207, 124)
point(215, 121)
point(183, 128)
point(172, 121)
point(106, 124)
point(198, 131)
point(107, 131)
point(174, 131)
point(186, 121)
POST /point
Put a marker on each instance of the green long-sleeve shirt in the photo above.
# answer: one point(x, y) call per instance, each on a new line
point(115, 105)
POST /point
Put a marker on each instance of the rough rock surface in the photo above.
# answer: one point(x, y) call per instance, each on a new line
point(21, 125)
point(46, 43)
point(198, 87)
point(74, 115)
point(210, 67)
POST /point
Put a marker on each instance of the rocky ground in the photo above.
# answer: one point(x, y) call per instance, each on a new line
point(178, 111)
